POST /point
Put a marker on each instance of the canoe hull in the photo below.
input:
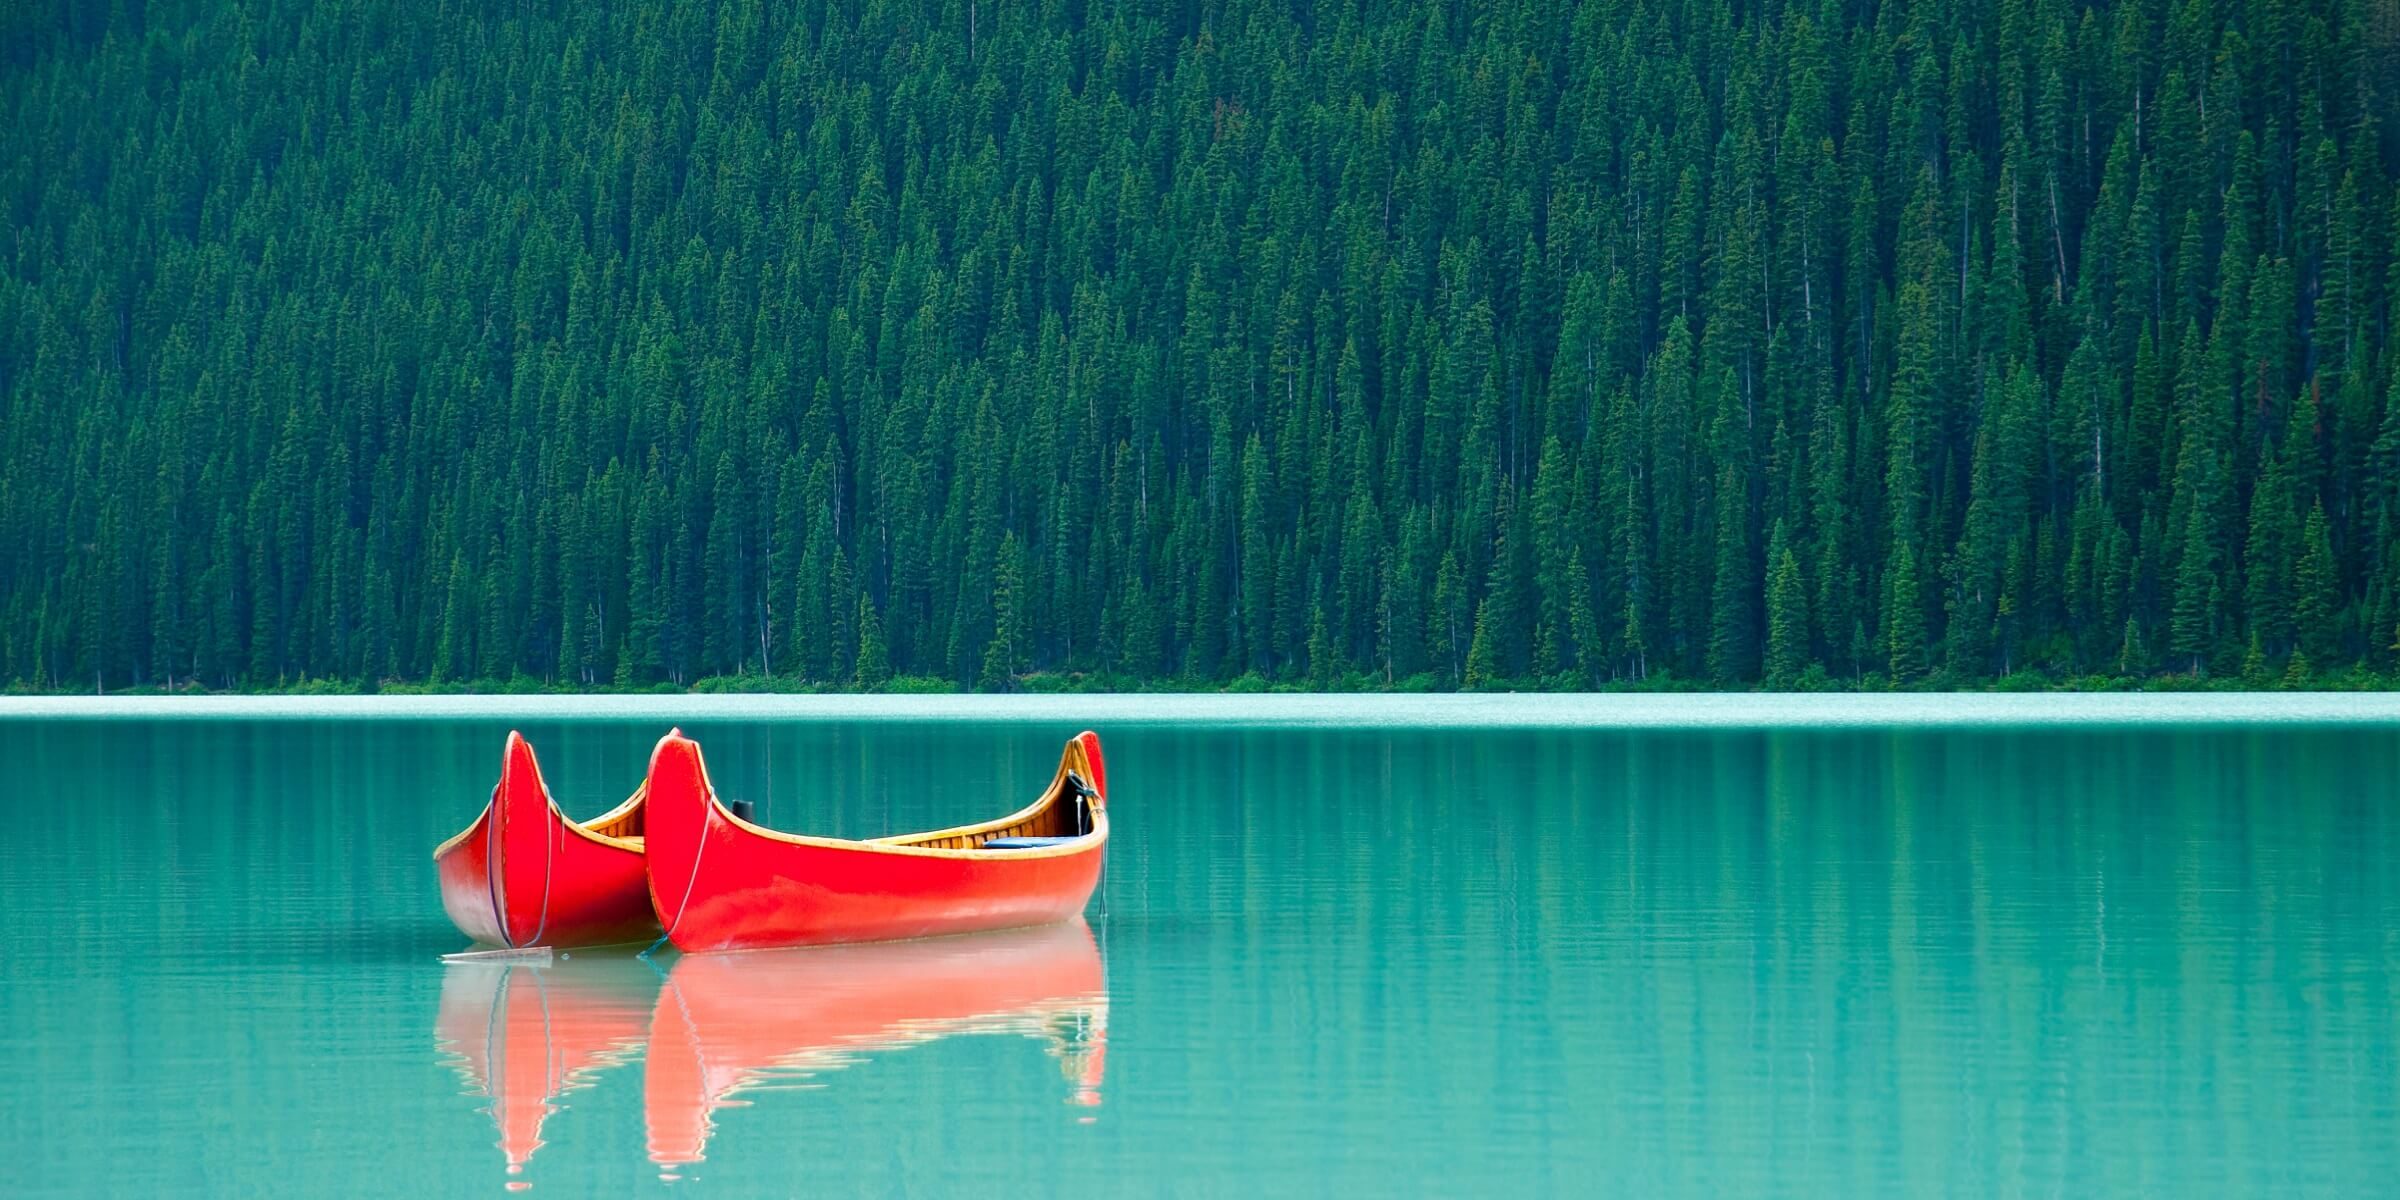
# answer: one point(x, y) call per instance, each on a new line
point(524, 875)
point(718, 882)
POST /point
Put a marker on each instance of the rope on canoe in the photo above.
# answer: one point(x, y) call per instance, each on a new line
point(699, 849)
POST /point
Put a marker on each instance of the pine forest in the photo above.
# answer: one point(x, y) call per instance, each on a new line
point(1199, 343)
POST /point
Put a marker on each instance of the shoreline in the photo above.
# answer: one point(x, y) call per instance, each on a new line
point(1544, 710)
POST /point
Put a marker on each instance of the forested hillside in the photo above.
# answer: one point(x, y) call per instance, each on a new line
point(1485, 344)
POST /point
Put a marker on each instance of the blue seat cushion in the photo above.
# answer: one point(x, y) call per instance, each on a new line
point(1024, 843)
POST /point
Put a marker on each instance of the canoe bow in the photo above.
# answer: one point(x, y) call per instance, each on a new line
point(523, 874)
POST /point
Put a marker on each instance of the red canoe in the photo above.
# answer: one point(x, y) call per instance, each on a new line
point(525, 1036)
point(525, 875)
point(725, 1025)
point(719, 882)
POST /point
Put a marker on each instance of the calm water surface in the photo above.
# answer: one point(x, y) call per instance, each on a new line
point(2157, 959)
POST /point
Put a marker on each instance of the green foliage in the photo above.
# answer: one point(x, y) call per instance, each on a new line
point(1906, 619)
point(1787, 615)
point(1623, 344)
point(874, 662)
point(918, 685)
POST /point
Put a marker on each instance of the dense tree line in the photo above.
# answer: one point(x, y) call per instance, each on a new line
point(1476, 344)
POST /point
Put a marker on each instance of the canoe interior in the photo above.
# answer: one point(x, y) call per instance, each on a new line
point(1063, 812)
point(1065, 819)
point(623, 821)
point(1069, 808)
point(1059, 817)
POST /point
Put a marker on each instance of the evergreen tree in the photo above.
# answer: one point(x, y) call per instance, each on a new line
point(2318, 592)
point(1906, 619)
point(1003, 653)
point(874, 662)
point(1787, 613)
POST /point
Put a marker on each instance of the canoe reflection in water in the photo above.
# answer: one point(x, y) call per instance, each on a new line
point(723, 1024)
point(727, 1022)
point(527, 1035)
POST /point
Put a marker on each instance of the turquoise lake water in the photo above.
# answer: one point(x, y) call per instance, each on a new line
point(1431, 954)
